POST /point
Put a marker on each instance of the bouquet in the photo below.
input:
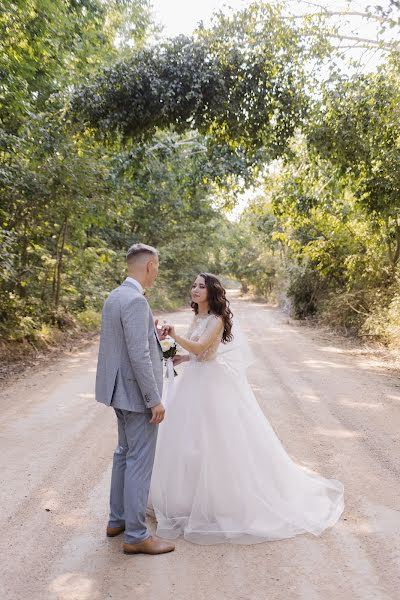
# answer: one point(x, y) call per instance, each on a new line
point(169, 348)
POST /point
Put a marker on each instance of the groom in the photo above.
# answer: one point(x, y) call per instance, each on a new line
point(129, 378)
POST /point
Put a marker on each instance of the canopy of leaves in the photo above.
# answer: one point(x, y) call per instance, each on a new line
point(357, 128)
point(156, 135)
point(240, 83)
point(47, 45)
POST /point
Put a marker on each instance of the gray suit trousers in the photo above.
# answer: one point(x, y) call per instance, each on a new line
point(131, 473)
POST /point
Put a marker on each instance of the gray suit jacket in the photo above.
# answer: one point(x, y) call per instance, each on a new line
point(130, 364)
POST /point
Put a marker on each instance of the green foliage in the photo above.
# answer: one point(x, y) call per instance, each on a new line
point(357, 128)
point(56, 187)
point(89, 319)
point(383, 321)
point(47, 45)
point(303, 290)
point(158, 140)
point(239, 83)
point(331, 249)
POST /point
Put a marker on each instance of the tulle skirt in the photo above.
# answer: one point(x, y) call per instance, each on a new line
point(222, 475)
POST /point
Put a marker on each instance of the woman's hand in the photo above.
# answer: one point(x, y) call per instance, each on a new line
point(165, 330)
point(171, 330)
point(180, 358)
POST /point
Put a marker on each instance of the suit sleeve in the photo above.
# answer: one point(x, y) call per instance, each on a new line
point(135, 316)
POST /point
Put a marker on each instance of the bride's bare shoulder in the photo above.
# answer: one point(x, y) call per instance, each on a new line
point(217, 318)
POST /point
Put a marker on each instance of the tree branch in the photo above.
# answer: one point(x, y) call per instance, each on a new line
point(376, 43)
point(345, 13)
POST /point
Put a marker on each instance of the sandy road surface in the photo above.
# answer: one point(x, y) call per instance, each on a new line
point(335, 411)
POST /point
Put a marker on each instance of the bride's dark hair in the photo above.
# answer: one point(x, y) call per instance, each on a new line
point(218, 304)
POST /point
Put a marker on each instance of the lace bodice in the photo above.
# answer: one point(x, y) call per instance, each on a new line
point(197, 329)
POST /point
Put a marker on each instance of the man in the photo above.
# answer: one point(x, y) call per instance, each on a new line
point(129, 378)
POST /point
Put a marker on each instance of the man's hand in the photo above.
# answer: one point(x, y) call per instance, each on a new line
point(180, 358)
point(161, 331)
point(157, 414)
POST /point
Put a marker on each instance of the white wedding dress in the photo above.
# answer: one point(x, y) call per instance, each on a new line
point(220, 472)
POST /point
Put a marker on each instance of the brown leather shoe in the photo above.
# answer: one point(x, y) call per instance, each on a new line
point(152, 545)
point(113, 531)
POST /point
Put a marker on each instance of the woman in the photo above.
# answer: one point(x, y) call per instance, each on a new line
point(220, 472)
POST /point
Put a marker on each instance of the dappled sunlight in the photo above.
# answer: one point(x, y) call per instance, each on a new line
point(49, 499)
point(84, 353)
point(74, 586)
point(245, 301)
point(311, 398)
point(382, 519)
point(77, 357)
point(256, 140)
point(324, 364)
point(357, 404)
point(368, 366)
point(338, 433)
point(332, 349)
point(362, 526)
point(279, 332)
point(386, 521)
point(74, 360)
point(354, 358)
point(257, 388)
point(393, 397)
point(76, 520)
point(307, 464)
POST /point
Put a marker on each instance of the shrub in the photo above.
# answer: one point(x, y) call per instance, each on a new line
point(303, 290)
point(89, 319)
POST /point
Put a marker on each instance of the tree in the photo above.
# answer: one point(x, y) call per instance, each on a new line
point(239, 83)
point(54, 185)
point(357, 127)
point(48, 45)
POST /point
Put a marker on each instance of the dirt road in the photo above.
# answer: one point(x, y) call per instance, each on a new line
point(335, 411)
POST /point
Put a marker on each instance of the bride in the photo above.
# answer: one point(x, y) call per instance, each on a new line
point(220, 472)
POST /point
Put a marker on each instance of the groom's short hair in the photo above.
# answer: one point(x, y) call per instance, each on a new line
point(139, 250)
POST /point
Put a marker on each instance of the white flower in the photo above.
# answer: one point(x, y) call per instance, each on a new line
point(167, 344)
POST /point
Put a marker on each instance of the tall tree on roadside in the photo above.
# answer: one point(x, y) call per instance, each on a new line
point(357, 128)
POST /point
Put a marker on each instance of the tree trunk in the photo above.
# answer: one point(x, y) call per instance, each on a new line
point(54, 280)
point(23, 263)
point(393, 247)
point(59, 264)
point(22, 270)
